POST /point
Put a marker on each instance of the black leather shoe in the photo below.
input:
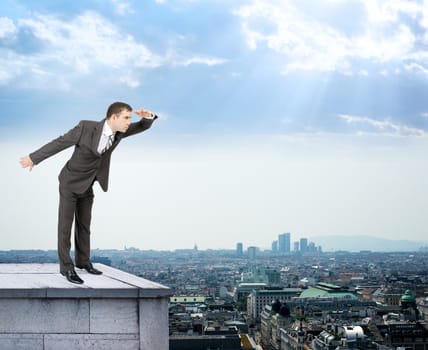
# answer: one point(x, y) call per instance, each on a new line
point(90, 268)
point(72, 277)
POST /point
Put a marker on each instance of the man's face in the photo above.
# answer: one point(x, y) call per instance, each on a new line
point(121, 121)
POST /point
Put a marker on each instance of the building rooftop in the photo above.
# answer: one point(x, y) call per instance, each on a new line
point(408, 297)
point(41, 310)
point(325, 290)
point(294, 291)
point(45, 281)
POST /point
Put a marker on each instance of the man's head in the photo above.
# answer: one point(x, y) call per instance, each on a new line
point(119, 116)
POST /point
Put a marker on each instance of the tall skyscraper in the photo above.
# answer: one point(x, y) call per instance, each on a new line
point(239, 248)
point(284, 243)
point(252, 251)
point(275, 246)
point(303, 245)
point(296, 246)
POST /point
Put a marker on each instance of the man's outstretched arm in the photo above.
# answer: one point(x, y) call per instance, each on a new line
point(67, 140)
point(145, 113)
point(147, 118)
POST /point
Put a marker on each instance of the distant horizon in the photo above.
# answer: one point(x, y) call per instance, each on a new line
point(423, 246)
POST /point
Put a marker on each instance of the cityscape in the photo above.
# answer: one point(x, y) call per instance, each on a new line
point(292, 296)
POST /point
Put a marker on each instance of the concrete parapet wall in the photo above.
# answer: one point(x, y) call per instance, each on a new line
point(69, 341)
point(40, 309)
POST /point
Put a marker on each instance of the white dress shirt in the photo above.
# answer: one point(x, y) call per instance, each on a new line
point(107, 132)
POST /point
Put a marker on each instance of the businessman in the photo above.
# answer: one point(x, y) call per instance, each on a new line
point(94, 142)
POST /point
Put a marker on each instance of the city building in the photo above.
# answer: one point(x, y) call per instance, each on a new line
point(257, 300)
point(342, 337)
point(244, 289)
point(274, 317)
point(252, 252)
point(423, 308)
point(296, 246)
point(275, 246)
point(303, 245)
point(388, 296)
point(295, 338)
point(284, 243)
point(261, 274)
point(327, 290)
point(187, 299)
point(405, 335)
point(239, 249)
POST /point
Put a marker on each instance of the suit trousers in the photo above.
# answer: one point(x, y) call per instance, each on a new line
point(78, 208)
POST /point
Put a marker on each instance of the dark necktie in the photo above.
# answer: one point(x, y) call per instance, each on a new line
point(109, 143)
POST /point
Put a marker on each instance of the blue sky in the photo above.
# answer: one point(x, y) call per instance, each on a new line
point(275, 116)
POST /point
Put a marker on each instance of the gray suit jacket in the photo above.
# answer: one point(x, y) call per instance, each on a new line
point(86, 165)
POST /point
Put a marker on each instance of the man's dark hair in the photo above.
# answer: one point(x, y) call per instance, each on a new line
point(116, 108)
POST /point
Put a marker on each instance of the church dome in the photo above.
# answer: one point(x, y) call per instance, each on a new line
point(408, 297)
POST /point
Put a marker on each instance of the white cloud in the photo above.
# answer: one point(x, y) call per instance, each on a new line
point(122, 7)
point(310, 43)
point(417, 68)
point(424, 18)
point(90, 40)
point(209, 61)
point(306, 45)
point(382, 126)
point(389, 10)
point(83, 46)
point(7, 28)
point(129, 80)
point(375, 46)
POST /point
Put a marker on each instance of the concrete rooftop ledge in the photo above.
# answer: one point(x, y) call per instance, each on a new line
point(41, 310)
point(45, 281)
